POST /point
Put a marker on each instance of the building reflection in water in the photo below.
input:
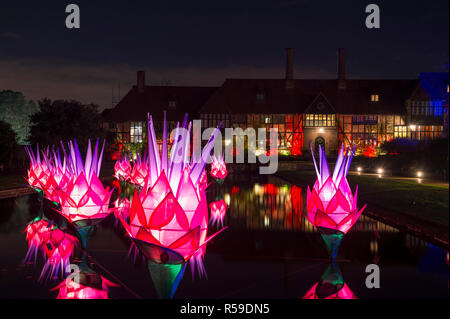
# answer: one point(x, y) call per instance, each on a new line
point(265, 206)
point(278, 207)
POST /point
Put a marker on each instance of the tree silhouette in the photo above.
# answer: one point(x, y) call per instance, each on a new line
point(63, 120)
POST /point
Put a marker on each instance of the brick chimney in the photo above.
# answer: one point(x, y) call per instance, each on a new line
point(341, 69)
point(140, 81)
point(289, 68)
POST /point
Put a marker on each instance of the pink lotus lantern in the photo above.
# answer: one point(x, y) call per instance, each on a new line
point(39, 171)
point(218, 169)
point(331, 206)
point(122, 169)
point(85, 197)
point(218, 210)
point(169, 218)
point(139, 171)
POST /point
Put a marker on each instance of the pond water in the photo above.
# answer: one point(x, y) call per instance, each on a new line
point(269, 250)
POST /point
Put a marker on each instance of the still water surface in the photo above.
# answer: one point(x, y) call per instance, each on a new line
point(268, 251)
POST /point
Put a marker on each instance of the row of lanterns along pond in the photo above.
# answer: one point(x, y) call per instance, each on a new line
point(162, 206)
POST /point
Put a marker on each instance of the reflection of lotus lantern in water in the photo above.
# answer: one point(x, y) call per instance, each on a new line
point(122, 207)
point(331, 206)
point(169, 218)
point(218, 169)
point(56, 244)
point(84, 283)
point(330, 286)
point(218, 210)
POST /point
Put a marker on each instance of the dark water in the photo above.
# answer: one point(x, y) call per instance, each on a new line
point(268, 251)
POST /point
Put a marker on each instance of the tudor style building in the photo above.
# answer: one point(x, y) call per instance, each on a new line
point(333, 111)
point(325, 112)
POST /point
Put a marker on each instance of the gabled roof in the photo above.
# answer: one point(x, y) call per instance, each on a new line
point(320, 105)
point(240, 96)
point(155, 99)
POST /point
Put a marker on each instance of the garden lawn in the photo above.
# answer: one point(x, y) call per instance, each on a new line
point(422, 201)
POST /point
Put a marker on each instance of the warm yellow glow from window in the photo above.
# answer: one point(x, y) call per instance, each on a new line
point(374, 98)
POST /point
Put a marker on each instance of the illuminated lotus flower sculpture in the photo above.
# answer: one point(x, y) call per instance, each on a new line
point(218, 169)
point(85, 201)
point(39, 171)
point(218, 210)
point(169, 218)
point(330, 286)
point(122, 169)
point(331, 206)
point(139, 171)
point(85, 197)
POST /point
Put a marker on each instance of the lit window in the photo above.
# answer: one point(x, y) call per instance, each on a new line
point(400, 131)
point(374, 98)
point(136, 132)
point(267, 120)
point(320, 120)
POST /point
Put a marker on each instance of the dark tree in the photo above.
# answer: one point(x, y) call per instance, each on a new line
point(16, 110)
point(8, 144)
point(62, 120)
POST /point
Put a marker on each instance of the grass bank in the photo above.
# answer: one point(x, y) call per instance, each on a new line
point(419, 201)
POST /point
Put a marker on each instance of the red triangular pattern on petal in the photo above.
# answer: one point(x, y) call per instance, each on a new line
point(333, 204)
point(163, 213)
point(146, 236)
point(314, 202)
point(322, 219)
point(192, 236)
point(343, 202)
point(137, 210)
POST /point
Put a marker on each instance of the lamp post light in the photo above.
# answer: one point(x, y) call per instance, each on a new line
point(380, 172)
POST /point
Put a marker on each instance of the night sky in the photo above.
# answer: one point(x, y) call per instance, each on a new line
point(203, 42)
